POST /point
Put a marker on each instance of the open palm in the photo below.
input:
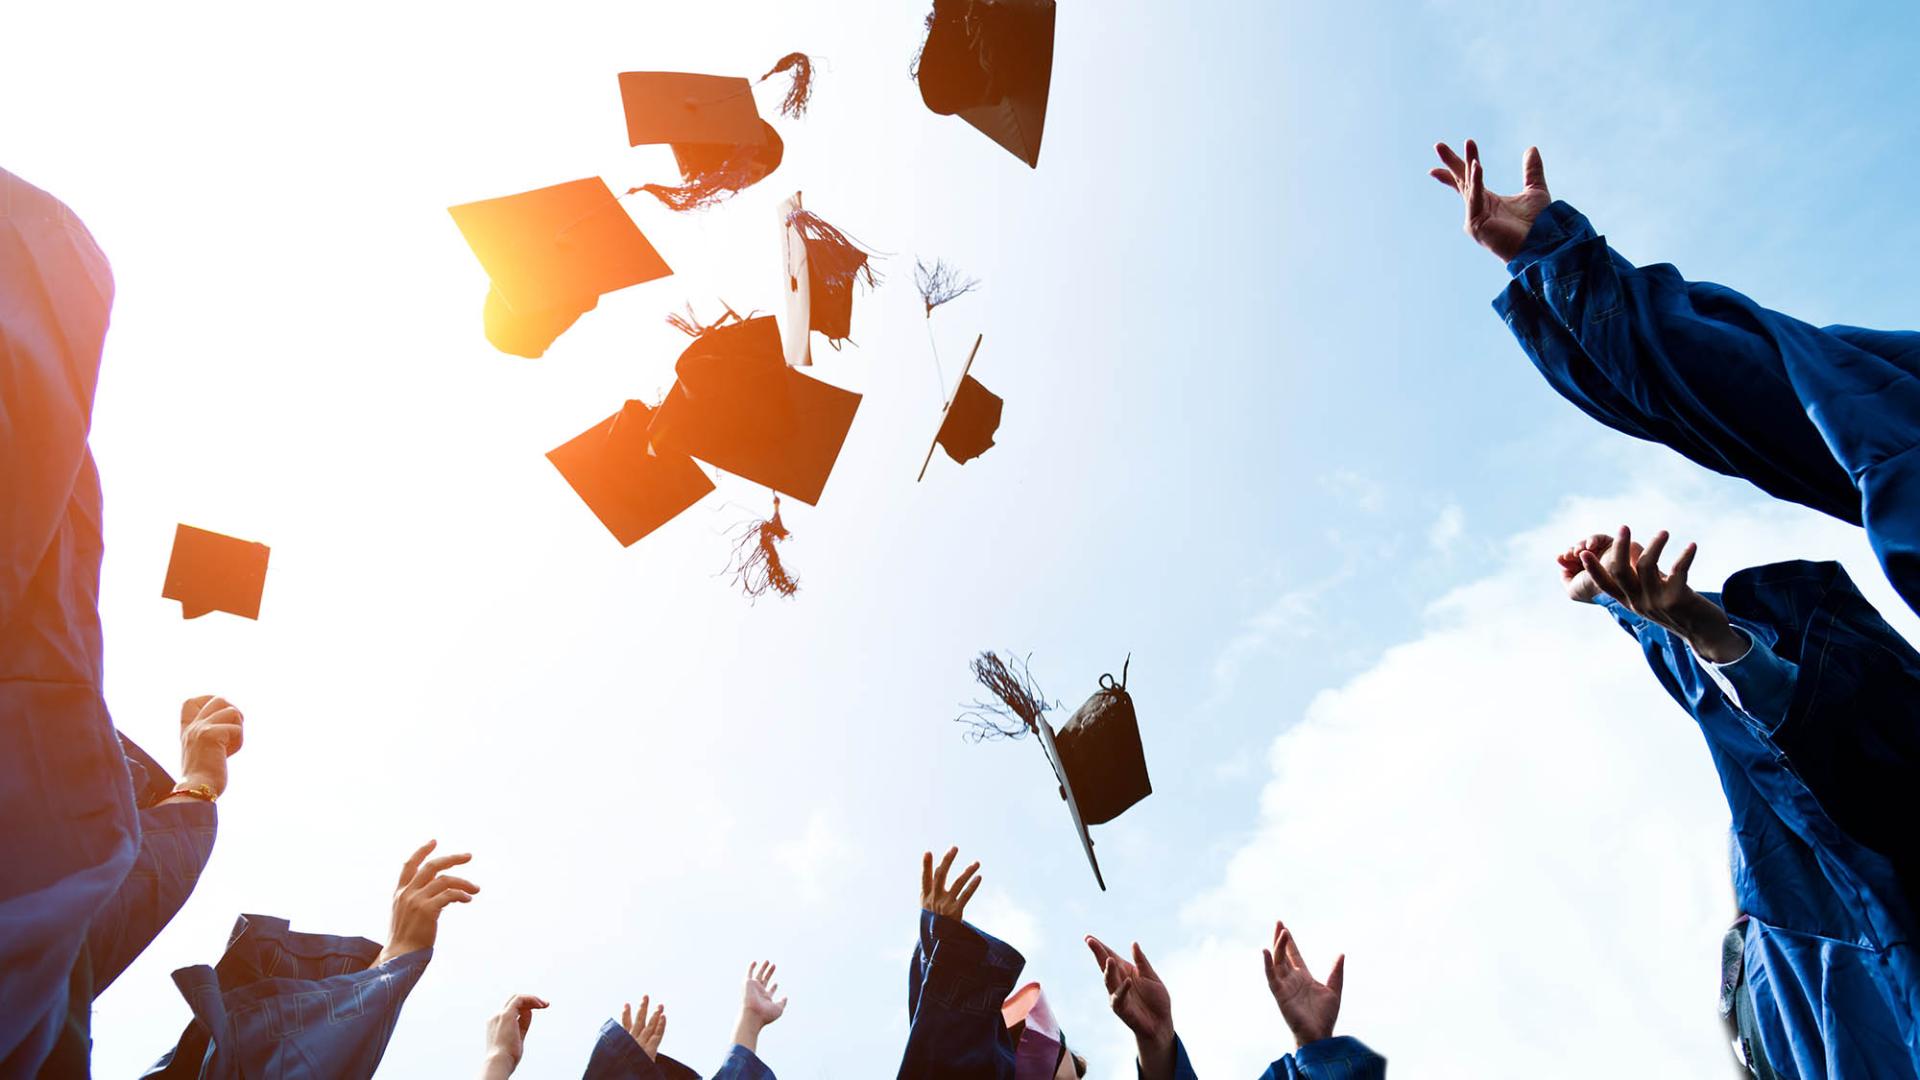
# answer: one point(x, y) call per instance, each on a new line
point(1499, 223)
point(1308, 1005)
point(758, 999)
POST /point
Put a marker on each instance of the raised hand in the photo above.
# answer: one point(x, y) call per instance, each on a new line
point(1580, 586)
point(1632, 576)
point(420, 897)
point(507, 1035)
point(936, 896)
point(1307, 1005)
point(758, 1008)
point(646, 1030)
point(1140, 1000)
point(210, 733)
point(1498, 223)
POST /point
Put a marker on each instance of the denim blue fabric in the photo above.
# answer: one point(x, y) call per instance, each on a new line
point(616, 1056)
point(1759, 683)
point(1828, 417)
point(176, 841)
point(743, 1064)
point(290, 1006)
point(1341, 1057)
point(70, 832)
point(957, 981)
point(1830, 952)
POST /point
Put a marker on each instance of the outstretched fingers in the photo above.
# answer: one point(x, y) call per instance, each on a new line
point(1337, 977)
point(412, 865)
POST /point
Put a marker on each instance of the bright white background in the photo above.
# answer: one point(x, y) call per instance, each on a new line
point(1261, 430)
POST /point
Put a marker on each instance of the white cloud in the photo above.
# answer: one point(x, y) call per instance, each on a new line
point(1507, 815)
point(1447, 529)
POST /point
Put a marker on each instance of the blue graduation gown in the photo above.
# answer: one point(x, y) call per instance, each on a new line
point(1828, 417)
point(1830, 952)
point(289, 1005)
point(616, 1056)
point(957, 980)
point(69, 833)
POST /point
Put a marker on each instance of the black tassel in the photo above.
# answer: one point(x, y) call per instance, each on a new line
point(940, 283)
point(801, 90)
point(706, 189)
point(1017, 705)
point(756, 567)
point(837, 258)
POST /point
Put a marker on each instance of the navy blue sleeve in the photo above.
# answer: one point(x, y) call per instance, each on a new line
point(743, 1064)
point(616, 1056)
point(1692, 365)
point(957, 981)
point(175, 842)
point(1342, 1057)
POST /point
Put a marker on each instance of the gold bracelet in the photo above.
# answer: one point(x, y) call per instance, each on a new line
point(203, 792)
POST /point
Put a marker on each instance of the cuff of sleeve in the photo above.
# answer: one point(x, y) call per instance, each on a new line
point(1717, 666)
point(1338, 1049)
point(743, 1064)
point(1557, 226)
point(179, 817)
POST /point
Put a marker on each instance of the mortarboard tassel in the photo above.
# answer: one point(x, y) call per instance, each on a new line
point(689, 324)
point(801, 91)
point(940, 283)
point(1018, 701)
point(711, 186)
point(757, 568)
point(838, 257)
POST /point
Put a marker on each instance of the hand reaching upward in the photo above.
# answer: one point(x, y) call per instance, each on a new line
point(646, 1030)
point(1308, 1005)
point(1498, 223)
point(758, 1007)
point(936, 896)
point(424, 891)
point(1580, 586)
point(1140, 1000)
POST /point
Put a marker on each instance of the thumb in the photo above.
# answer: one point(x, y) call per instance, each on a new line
point(1533, 170)
point(1338, 976)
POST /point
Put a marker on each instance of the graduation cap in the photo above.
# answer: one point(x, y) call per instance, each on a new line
point(990, 62)
point(736, 405)
point(967, 420)
point(719, 141)
point(1097, 757)
point(211, 572)
point(629, 486)
point(823, 264)
point(551, 254)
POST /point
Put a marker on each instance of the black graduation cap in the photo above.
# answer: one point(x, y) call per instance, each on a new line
point(552, 253)
point(1096, 758)
point(737, 406)
point(629, 486)
point(719, 140)
point(212, 572)
point(990, 62)
point(823, 264)
point(968, 420)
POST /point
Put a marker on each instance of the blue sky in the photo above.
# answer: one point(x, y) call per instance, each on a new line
point(1259, 423)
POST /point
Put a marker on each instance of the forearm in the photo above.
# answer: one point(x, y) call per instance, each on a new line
point(1156, 1057)
point(498, 1066)
point(747, 1032)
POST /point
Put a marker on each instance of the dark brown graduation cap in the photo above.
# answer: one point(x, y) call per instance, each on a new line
point(1101, 753)
point(990, 62)
point(737, 406)
point(212, 572)
point(719, 141)
point(632, 489)
point(552, 253)
point(823, 265)
point(969, 419)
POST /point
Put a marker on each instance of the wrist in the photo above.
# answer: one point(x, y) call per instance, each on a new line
point(1713, 638)
point(747, 1032)
point(1156, 1054)
point(211, 779)
point(1304, 1036)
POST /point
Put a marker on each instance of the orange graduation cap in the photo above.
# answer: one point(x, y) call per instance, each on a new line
point(552, 253)
point(823, 265)
point(212, 572)
point(990, 62)
point(737, 405)
point(629, 487)
point(719, 140)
